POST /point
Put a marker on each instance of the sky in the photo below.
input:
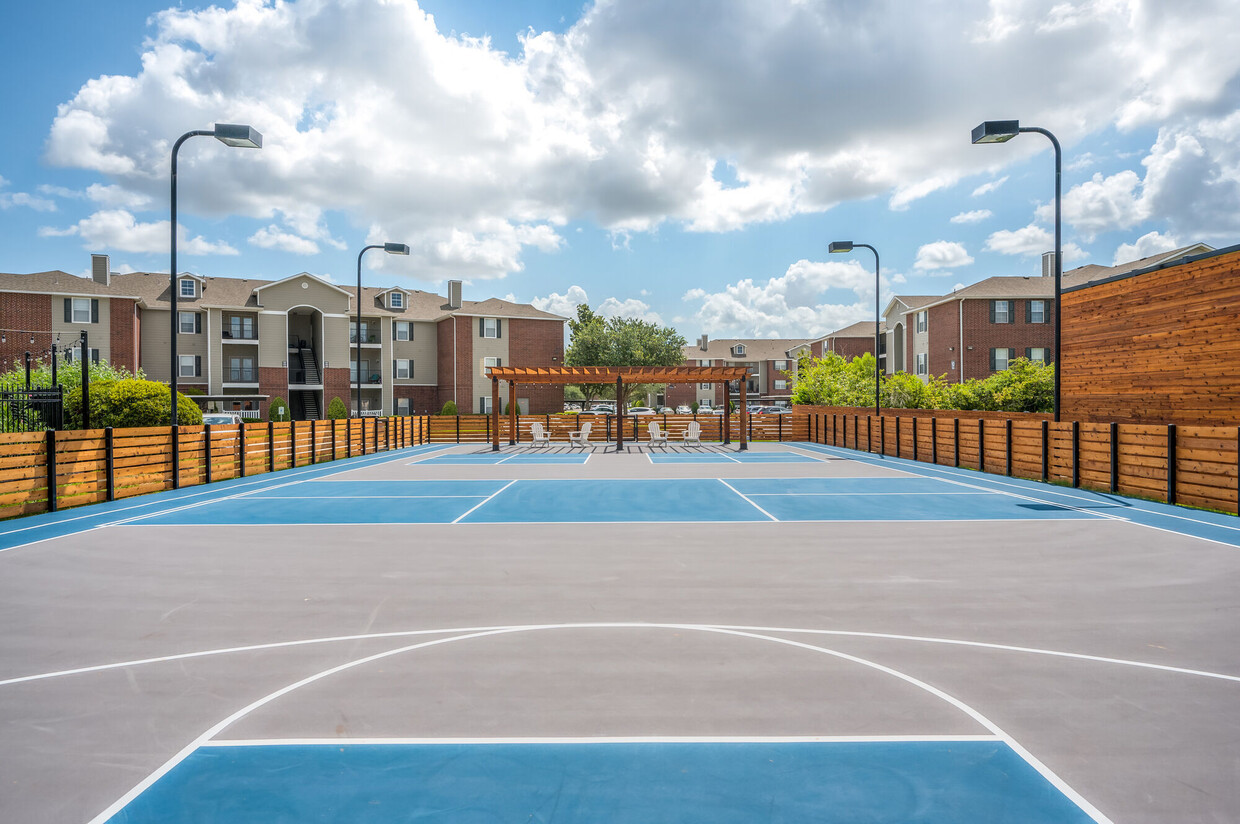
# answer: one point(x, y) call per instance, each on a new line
point(684, 162)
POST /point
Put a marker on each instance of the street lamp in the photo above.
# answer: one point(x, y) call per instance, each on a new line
point(391, 249)
point(847, 246)
point(229, 134)
point(1001, 131)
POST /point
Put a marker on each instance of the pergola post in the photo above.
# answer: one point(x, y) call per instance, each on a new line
point(619, 417)
point(494, 414)
point(744, 417)
point(513, 434)
point(727, 413)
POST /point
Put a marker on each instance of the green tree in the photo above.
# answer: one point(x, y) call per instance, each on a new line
point(337, 410)
point(278, 410)
point(598, 341)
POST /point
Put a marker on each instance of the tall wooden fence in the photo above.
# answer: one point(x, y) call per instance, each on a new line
point(46, 471)
point(477, 428)
point(1193, 465)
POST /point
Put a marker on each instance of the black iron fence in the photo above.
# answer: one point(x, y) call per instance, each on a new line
point(31, 410)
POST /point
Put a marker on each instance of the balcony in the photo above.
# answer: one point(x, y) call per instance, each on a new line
point(368, 339)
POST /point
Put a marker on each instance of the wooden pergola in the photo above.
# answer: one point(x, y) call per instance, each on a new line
point(620, 375)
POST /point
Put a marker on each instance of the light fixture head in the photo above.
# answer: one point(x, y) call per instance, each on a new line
point(840, 246)
point(240, 136)
point(996, 131)
point(396, 248)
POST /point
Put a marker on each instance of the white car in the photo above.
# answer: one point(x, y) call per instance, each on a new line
point(641, 410)
point(221, 419)
point(684, 409)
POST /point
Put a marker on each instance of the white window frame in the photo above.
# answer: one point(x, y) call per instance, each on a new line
point(365, 371)
point(781, 365)
point(488, 363)
point(739, 349)
point(242, 365)
point(1037, 354)
point(184, 363)
point(406, 327)
point(1006, 359)
point(406, 365)
point(705, 386)
point(923, 366)
point(81, 310)
point(1037, 311)
point(781, 385)
point(490, 327)
point(487, 406)
point(402, 406)
point(396, 300)
point(1006, 315)
point(182, 318)
point(73, 353)
point(193, 288)
point(923, 320)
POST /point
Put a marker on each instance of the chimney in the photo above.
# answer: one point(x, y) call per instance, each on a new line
point(1048, 264)
point(704, 343)
point(454, 294)
point(100, 270)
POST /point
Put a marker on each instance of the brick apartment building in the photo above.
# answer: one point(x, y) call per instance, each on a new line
point(243, 342)
point(770, 371)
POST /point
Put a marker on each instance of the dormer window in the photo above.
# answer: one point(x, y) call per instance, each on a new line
point(739, 349)
point(188, 290)
point(396, 300)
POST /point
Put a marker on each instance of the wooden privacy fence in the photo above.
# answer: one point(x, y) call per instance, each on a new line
point(1193, 465)
point(477, 428)
point(47, 471)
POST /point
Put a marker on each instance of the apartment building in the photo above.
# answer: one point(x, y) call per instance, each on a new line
point(242, 342)
point(770, 370)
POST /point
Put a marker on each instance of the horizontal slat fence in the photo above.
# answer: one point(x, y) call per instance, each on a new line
point(89, 466)
point(1192, 465)
point(477, 428)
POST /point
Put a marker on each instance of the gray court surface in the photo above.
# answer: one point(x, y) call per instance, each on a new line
point(1101, 650)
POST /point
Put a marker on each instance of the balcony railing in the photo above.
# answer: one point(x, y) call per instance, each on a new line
point(232, 334)
point(370, 337)
point(242, 375)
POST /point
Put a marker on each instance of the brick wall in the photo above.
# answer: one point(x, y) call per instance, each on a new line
point(336, 384)
point(944, 328)
point(849, 348)
point(537, 343)
point(20, 315)
point(983, 335)
point(273, 382)
point(123, 338)
point(463, 378)
point(423, 400)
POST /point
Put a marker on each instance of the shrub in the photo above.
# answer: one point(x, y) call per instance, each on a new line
point(278, 410)
point(193, 390)
point(134, 402)
point(337, 410)
point(449, 408)
point(693, 407)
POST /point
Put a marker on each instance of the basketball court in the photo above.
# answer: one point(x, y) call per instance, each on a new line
point(792, 633)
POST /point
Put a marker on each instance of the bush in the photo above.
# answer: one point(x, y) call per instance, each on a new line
point(133, 402)
point(693, 407)
point(449, 408)
point(337, 410)
point(278, 410)
point(193, 390)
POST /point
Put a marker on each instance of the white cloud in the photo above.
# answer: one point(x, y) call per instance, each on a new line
point(792, 305)
point(942, 254)
point(1101, 204)
point(974, 216)
point(565, 304)
point(10, 199)
point(117, 197)
point(475, 158)
point(272, 238)
point(987, 188)
point(1148, 244)
point(1030, 241)
point(630, 308)
point(118, 229)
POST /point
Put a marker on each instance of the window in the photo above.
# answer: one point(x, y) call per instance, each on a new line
point(922, 367)
point(187, 288)
point(396, 300)
point(484, 405)
point(999, 359)
point(241, 328)
point(189, 366)
point(353, 371)
point(402, 406)
point(1036, 311)
point(404, 369)
point(487, 363)
point(1037, 354)
point(781, 365)
point(75, 353)
point(241, 370)
point(488, 327)
point(1001, 311)
point(704, 362)
point(780, 385)
point(403, 330)
point(705, 386)
point(921, 321)
point(739, 349)
point(189, 323)
point(81, 310)
point(367, 336)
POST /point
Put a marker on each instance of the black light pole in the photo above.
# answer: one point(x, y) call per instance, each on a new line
point(85, 347)
point(1001, 131)
point(391, 249)
point(230, 135)
point(848, 246)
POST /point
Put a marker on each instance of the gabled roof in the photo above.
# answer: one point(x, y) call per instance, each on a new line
point(57, 282)
point(909, 302)
point(756, 349)
point(499, 308)
point(861, 329)
point(267, 284)
point(1091, 272)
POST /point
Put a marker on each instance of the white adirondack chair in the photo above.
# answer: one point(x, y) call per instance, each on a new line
point(581, 437)
point(693, 435)
point(657, 438)
point(538, 436)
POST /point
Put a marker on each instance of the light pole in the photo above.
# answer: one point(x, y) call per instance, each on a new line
point(391, 249)
point(847, 246)
point(230, 135)
point(1001, 131)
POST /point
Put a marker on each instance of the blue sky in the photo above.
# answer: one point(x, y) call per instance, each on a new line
point(685, 162)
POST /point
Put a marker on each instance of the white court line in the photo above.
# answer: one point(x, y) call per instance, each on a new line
point(377, 636)
point(363, 498)
point(857, 494)
point(483, 501)
point(977, 716)
point(748, 500)
point(613, 739)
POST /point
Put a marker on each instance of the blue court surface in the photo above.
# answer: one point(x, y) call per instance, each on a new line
point(519, 458)
point(909, 782)
point(720, 458)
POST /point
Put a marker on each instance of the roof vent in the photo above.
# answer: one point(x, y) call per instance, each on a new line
point(704, 343)
point(454, 294)
point(100, 270)
point(1048, 264)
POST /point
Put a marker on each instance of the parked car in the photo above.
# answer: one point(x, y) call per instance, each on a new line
point(665, 410)
point(684, 409)
point(641, 410)
point(217, 419)
point(603, 409)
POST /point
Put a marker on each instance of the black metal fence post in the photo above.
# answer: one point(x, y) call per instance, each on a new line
point(50, 442)
point(241, 449)
point(109, 463)
point(1171, 463)
point(1008, 438)
point(934, 440)
point(271, 446)
point(1076, 454)
point(85, 382)
point(1046, 450)
point(981, 444)
point(206, 449)
point(176, 456)
point(956, 440)
point(1114, 456)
